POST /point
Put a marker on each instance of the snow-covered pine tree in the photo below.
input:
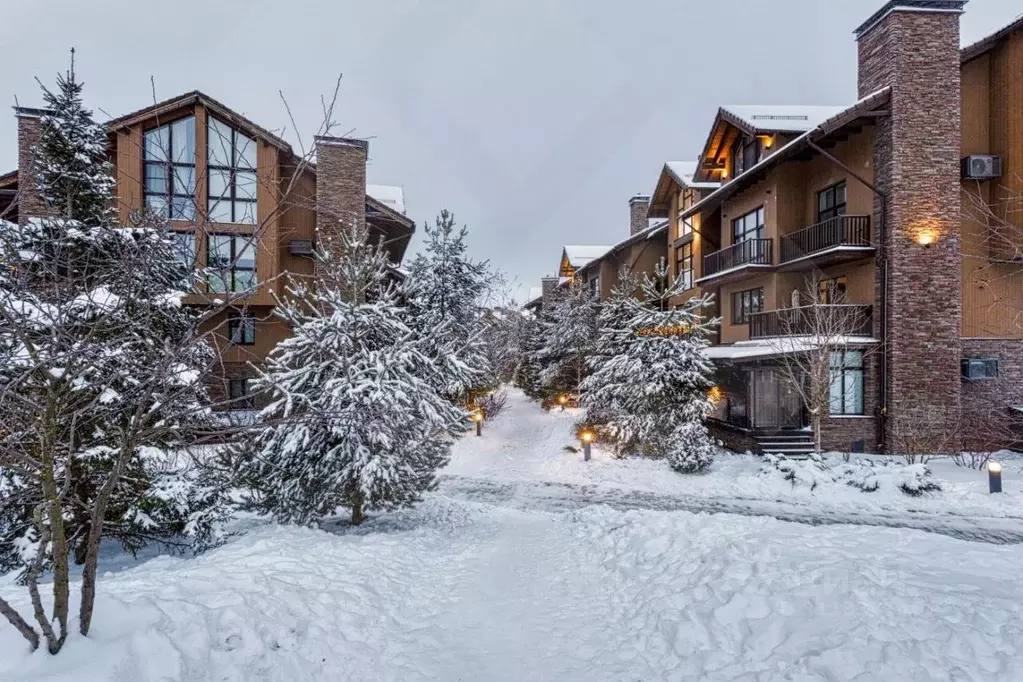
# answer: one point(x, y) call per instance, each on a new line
point(356, 417)
point(100, 372)
point(568, 329)
point(527, 376)
point(656, 378)
point(444, 296)
point(601, 395)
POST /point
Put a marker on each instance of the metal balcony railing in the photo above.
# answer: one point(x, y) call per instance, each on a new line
point(821, 320)
point(844, 230)
point(748, 252)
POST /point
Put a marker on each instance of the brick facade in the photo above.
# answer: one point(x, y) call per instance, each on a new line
point(638, 208)
point(340, 183)
point(989, 417)
point(30, 126)
point(916, 157)
point(840, 432)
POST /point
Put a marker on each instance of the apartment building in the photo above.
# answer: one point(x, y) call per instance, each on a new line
point(894, 212)
point(243, 203)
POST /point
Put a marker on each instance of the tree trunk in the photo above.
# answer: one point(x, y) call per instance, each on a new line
point(58, 540)
point(19, 623)
point(357, 514)
point(817, 434)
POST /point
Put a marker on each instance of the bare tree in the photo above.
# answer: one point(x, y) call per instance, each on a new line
point(807, 338)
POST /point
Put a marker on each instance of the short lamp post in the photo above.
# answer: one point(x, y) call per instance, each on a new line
point(994, 477)
point(478, 418)
point(562, 400)
point(587, 438)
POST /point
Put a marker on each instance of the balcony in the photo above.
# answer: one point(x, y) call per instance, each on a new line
point(734, 261)
point(832, 241)
point(825, 321)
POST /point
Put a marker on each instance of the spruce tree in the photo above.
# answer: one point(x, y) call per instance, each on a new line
point(651, 376)
point(444, 295)
point(568, 329)
point(356, 418)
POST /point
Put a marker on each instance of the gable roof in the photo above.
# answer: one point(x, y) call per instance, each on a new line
point(656, 230)
point(675, 173)
point(985, 45)
point(196, 97)
point(579, 255)
point(800, 144)
point(756, 119)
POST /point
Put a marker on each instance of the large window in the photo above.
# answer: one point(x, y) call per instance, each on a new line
point(184, 247)
point(745, 303)
point(831, 202)
point(749, 226)
point(745, 155)
point(832, 290)
point(231, 260)
point(241, 329)
point(169, 169)
point(846, 379)
point(232, 174)
point(685, 265)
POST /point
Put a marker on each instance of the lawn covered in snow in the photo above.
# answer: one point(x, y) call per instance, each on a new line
point(509, 572)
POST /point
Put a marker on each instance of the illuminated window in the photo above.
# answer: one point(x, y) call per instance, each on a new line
point(685, 265)
point(832, 290)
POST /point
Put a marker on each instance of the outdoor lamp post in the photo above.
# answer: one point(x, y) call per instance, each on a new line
point(587, 438)
point(478, 418)
point(562, 400)
point(994, 477)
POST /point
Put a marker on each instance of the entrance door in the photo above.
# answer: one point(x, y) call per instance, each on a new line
point(776, 403)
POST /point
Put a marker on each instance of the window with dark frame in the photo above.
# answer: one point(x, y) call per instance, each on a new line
point(231, 175)
point(737, 160)
point(750, 152)
point(231, 261)
point(184, 246)
point(745, 303)
point(832, 291)
point(749, 226)
point(168, 169)
point(685, 265)
point(846, 382)
point(240, 393)
point(241, 328)
point(831, 202)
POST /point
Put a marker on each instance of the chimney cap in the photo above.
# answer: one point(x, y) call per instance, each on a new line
point(330, 141)
point(953, 6)
point(644, 198)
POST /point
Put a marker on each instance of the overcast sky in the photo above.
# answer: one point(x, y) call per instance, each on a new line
point(533, 120)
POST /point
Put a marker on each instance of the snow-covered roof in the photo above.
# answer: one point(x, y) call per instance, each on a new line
point(390, 195)
point(579, 255)
point(761, 348)
point(788, 119)
point(534, 292)
point(685, 171)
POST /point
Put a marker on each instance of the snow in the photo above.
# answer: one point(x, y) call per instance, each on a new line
point(460, 589)
point(742, 350)
point(794, 119)
point(685, 171)
point(579, 255)
point(390, 195)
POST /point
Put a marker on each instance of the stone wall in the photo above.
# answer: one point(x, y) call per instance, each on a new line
point(30, 204)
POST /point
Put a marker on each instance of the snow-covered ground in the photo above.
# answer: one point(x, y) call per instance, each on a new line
point(460, 589)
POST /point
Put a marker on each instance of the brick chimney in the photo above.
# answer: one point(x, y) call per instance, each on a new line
point(638, 207)
point(548, 285)
point(912, 46)
point(30, 130)
point(340, 184)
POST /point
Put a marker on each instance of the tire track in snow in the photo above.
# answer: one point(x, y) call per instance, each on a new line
point(565, 497)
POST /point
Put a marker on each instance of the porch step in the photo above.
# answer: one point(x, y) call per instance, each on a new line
point(793, 444)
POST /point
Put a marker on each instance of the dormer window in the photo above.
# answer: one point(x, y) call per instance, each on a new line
point(745, 155)
point(169, 169)
point(232, 174)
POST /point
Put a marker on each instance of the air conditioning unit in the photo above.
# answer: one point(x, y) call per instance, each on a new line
point(982, 167)
point(978, 369)
point(300, 247)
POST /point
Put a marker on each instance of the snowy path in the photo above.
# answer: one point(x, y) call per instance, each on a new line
point(528, 581)
point(521, 462)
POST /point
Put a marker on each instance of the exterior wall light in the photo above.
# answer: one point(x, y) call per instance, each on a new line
point(715, 395)
point(994, 477)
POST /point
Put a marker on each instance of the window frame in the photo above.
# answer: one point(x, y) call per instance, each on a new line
point(759, 230)
point(833, 291)
point(743, 307)
point(837, 373)
point(245, 400)
point(684, 273)
point(243, 321)
point(232, 171)
point(836, 209)
point(169, 166)
point(232, 268)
